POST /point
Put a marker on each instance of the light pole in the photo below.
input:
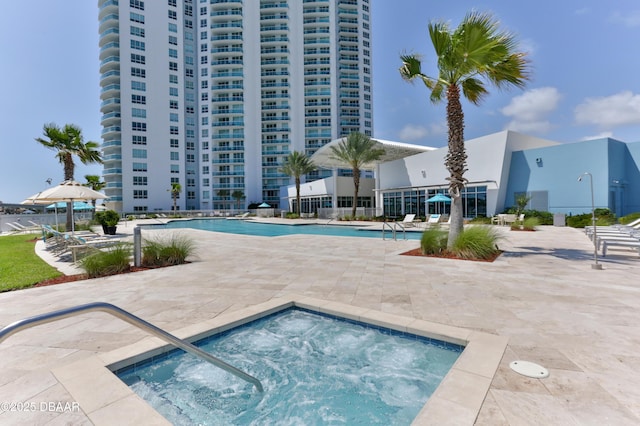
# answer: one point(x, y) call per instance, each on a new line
point(595, 265)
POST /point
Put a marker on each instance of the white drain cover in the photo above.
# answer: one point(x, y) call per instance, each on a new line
point(529, 369)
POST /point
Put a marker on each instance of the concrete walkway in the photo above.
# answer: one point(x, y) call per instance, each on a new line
point(581, 324)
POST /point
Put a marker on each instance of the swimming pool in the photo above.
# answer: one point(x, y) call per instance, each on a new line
point(316, 369)
point(250, 227)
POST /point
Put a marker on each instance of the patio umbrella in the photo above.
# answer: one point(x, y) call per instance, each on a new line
point(68, 191)
point(77, 206)
point(439, 198)
point(264, 206)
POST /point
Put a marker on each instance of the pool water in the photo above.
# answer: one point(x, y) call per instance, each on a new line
point(250, 227)
point(315, 369)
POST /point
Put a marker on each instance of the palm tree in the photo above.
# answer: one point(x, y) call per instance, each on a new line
point(469, 57)
point(295, 165)
point(93, 182)
point(175, 190)
point(356, 150)
point(69, 142)
point(223, 193)
point(238, 196)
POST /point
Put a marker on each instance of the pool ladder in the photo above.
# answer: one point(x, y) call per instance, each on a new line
point(131, 319)
point(394, 230)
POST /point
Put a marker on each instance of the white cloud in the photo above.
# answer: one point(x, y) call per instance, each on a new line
point(529, 111)
point(629, 19)
point(598, 136)
point(609, 111)
point(412, 132)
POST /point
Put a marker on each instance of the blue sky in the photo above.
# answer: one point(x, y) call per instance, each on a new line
point(584, 59)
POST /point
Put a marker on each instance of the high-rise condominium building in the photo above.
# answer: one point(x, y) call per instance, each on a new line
point(214, 94)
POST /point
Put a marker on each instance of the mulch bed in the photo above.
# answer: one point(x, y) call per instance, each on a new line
point(447, 255)
point(62, 279)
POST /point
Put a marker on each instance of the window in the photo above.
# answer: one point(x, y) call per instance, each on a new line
point(173, 79)
point(173, 14)
point(203, 23)
point(203, 35)
point(137, 31)
point(136, 4)
point(139, 153)
point(173, 130)
point(173, 40)
point(173, 117)
point(173, 91)
point(137, 45)
point(175, 156)
point(139, 127)
point(138, 99)
point(173, 143)
point(173, 104)
point(172, 3)
point(138, 72)
point(137, 59)
point(139, 85)
point(139, 167)
point(173, 28)
point(175, 168)
point(140, 180)
point(138, 113)
point(139, 194)
point(136, 17)
point(139, 140)
point(204, 60)
point(173, 53)
point(173, 66)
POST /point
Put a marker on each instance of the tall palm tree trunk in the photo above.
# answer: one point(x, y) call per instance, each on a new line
point(456, 160)
point(69, 168)
point(298, 195)
point(356, 183)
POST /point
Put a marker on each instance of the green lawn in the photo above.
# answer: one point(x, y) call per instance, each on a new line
point(20, 266)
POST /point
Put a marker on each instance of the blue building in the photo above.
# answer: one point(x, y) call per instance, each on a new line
point(549, 175)
point(503, 165)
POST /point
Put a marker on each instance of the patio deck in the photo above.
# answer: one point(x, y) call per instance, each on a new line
point(581, 324)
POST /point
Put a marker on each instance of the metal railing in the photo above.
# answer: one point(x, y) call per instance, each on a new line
point(131, 319)
point(394, 230)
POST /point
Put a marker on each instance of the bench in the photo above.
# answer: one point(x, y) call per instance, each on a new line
point(619, 243)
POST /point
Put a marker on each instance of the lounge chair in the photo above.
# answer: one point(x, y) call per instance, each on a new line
point(629, 244)
point(498, 219)
point(409, 221)
point(433, 220)
point(20, 228)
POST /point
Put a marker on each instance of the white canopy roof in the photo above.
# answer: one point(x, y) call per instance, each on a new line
point(392, 151)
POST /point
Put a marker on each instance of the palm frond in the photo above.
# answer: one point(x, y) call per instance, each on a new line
point(473, 89)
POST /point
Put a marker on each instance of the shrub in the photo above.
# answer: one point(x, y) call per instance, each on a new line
point(169, 251)
point(530, 223)
point(605, 218)
point(481, 220)
point(107, 218)
point(477, 242)
point(433, 241)
point(629, 218)
point(546, 218)
point(291, 215)
point(114, 260)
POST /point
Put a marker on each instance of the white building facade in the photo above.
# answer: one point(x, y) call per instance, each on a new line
point(213, 95)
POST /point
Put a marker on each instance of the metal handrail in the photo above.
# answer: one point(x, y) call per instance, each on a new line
point(393, 230)
point(404, 230)
point(131, 319)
